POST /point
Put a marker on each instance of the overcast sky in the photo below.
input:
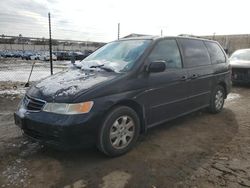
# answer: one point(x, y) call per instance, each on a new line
point(96, 20)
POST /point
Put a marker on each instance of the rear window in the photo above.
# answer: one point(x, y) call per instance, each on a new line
point(194, 52)
point(215, 52)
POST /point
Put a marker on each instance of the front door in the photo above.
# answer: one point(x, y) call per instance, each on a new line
point(167, 91)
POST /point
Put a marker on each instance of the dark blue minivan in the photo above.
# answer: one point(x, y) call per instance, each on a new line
point(124, 88)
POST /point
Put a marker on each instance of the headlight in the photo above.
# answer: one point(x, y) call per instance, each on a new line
point(64, 108)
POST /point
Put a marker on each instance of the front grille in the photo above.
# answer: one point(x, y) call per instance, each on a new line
point(241, 74)
point(33, 104)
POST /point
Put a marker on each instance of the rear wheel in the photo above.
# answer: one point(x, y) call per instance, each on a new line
point(119, 131)
point(217, 100)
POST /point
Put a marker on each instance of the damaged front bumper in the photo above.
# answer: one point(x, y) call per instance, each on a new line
point(62, 131)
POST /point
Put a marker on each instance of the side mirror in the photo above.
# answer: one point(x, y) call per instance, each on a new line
point(156, 66)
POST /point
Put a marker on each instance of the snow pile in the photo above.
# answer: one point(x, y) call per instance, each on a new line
point(233, 96)
point(12, 92)
point(100, 64)
point(69, 82)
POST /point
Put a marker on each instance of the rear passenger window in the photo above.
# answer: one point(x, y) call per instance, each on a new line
point(195, 53)
point(168, 51)
point(215, 52)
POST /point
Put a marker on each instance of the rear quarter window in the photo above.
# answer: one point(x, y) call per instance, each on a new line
point(194, 53)
point(215, 52)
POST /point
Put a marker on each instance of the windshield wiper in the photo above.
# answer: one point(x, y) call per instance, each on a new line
point(102, 67)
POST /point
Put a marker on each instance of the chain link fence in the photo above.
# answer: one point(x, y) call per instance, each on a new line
point(24, 60)
point(15, 73)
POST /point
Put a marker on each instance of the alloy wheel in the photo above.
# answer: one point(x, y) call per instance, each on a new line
point(122, 132)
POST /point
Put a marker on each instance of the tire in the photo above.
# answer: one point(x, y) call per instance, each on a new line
point(123, 123)
point(217, 100)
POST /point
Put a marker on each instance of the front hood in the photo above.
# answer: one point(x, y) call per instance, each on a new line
point(240, 64)
point(67, 84)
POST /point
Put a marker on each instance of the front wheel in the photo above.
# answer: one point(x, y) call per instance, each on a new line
point(217, 100)
point(119, 131)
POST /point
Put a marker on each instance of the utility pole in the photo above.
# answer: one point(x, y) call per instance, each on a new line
point(118, 31)
point(50, 47)
point(161, 33)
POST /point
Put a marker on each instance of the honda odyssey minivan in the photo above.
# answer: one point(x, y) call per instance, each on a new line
point(123, 89)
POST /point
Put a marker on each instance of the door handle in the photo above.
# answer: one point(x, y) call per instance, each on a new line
point(194, 76)
point(184, 78)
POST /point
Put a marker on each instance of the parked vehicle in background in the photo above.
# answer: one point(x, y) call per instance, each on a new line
point(65, 55)
point(62, 55)
point(26, 55)
point(9, 54)
point(35, 56)
point(77, 55)
point(123, 89)
point(17, 54)
point(87, 53)
point(240, 64)
point(46, 56)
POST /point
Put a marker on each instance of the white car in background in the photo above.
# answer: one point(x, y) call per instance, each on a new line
point(35, 57)
point(240, 63)
point(46, 57)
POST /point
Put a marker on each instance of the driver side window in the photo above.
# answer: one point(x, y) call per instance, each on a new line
point(168, 51)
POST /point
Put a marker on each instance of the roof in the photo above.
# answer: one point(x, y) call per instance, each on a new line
point(135, 35)
point(150, 37)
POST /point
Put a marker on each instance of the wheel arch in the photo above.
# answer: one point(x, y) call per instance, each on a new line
point(139, 109)
point(223, 84)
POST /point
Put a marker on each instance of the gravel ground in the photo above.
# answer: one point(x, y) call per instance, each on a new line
point(198, 150)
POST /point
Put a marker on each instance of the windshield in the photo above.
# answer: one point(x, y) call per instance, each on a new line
point(118, 56)
point(241, 55)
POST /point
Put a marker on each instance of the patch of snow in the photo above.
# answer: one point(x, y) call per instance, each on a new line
point(22, 111)
point(116, 179)
point(69, 82)
point(18, 91)
point(233, 96)
point(90, 65)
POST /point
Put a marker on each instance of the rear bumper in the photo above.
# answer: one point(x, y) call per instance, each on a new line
point(56, 130)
